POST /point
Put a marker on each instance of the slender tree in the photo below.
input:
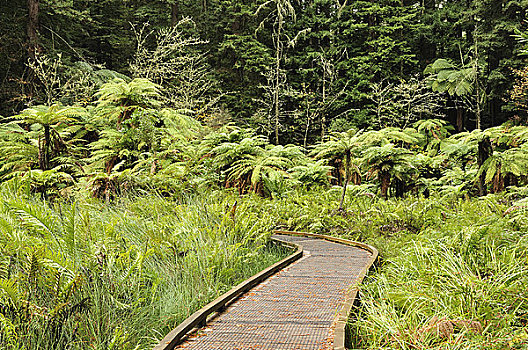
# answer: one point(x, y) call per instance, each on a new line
point(175, 12)
point(281, 11)
point(32, 27)
point(343, 146)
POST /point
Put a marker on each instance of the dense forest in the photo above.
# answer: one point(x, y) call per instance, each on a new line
point(290, 69)
point(149, 148)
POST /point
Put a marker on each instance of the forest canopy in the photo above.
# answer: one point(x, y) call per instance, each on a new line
point(293, 70)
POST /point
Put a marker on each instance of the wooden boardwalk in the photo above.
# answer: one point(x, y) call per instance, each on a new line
point(295, 309)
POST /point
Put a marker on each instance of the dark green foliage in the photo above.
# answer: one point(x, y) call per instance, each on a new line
point(329, 69)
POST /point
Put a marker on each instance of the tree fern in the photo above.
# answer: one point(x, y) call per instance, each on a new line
point(387, 162)
point(226, 134)
point(20, 150)
point(312, 173)
point(344, 147)
point(117, 100)
point(447, 77)
point(229, 152)
point(433, 128)
point(512, 162)
point(403, 137)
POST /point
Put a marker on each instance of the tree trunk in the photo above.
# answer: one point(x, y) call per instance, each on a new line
point(277, 81)
point(460, 119)
point(485, 150)
point(41, 154)
point(46, 146)
point(510, 180)
point(323, 116)
point(399, 188)
point(347, 175)
point(32, 27)
point(175, 13)
point(308, 118)
point(110, 164)
point(385, 183)
point(32, 45)
point(428, 46)
point(305, 141)
point(498, 182)
point(477, 89)
point(335, 174)
point(356, 178)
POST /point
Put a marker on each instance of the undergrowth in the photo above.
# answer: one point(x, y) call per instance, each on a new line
point(83, 275)
point(86, 274)
point(452, 274)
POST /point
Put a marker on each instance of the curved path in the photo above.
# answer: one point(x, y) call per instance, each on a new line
point(297, 308)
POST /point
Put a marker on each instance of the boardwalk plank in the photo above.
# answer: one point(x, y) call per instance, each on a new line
point(294, 309)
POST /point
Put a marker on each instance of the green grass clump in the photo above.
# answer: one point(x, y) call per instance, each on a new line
point(458, 282)
point(453, 271)
point(82, 275)
point(452, 275)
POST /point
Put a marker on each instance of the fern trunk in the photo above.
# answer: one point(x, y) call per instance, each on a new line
point(399, 188)
point(45, 161)
point(460, 119)
point(347, 176)
point(485, 150)
point(498, 181)
point(385, 183)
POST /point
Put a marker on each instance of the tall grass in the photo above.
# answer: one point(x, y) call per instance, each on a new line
point(453, 272)
point(76, 275)
point(459, 283)
point(79, 275)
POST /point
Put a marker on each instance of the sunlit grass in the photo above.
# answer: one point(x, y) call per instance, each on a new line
point(453, 271)
point(452, 274)
point(119, 276)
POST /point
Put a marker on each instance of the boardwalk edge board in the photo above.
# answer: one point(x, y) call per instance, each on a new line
point(341, 318)
point(199, 318)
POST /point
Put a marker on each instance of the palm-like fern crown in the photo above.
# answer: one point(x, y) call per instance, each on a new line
point(117, 99)
point(50, 115)
point(462, 145)
point(404, 137)
point(271, 161)
point(447, 77)
point(18, 147)
point(465, 144)
point(179, 124)
point(311, 172)
point(52, 130)
point(433, 128)
point(225, 134)
point(229, 152)
point(387, 158)
point(339, 144)
point(291, 152)
point(512, 161)
point(138, 92)
point(506, 136)
point(258, 166)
